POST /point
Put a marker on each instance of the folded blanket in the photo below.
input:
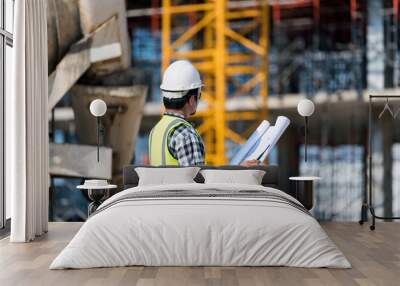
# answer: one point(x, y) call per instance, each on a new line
point(204, 194)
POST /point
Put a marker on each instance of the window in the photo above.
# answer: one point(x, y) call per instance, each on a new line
point(6, 43)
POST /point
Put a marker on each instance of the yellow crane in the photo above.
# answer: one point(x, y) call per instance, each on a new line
point(204, 33)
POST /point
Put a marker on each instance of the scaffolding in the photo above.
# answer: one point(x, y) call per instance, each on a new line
point(228, 42)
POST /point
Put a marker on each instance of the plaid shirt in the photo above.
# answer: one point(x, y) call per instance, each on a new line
point(185, 144)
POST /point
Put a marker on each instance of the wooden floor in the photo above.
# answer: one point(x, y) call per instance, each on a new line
point(375, 257)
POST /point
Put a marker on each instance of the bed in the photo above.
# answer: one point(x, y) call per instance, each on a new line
point(198, 224)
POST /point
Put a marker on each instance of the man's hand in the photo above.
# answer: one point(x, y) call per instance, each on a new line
point(250, 163)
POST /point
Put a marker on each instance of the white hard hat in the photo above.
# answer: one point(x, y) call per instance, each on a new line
point(178, 78)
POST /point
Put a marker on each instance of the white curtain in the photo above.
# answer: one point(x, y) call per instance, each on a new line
point(27, 124)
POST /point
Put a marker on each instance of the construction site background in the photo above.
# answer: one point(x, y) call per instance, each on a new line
point(258, 59)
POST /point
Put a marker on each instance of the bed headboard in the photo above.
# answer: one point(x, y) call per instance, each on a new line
point(270, 179)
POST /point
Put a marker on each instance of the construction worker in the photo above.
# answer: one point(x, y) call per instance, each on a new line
point(173, 140)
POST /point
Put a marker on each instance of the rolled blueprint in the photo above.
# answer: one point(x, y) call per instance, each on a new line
point(269, 139)
point(251, 144)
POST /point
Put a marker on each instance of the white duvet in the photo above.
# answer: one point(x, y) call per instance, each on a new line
point(200, 231)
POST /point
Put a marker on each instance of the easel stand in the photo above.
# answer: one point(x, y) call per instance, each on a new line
point(367, 200)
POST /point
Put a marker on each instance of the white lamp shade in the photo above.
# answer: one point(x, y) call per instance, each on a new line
point(98, 107)
point(305, 107)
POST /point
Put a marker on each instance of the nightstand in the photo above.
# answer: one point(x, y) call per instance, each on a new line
point(305, 190)
point(98, 192)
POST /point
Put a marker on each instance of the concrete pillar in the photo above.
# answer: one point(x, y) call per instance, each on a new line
point(375, 45)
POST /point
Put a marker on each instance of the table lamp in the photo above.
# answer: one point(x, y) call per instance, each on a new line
point(305, 108)
point(98, 108)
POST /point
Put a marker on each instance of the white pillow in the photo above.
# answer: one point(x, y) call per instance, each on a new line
point(248, 177)
point(166, 176)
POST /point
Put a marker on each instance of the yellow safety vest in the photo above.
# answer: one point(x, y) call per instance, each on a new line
point(159, 153)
